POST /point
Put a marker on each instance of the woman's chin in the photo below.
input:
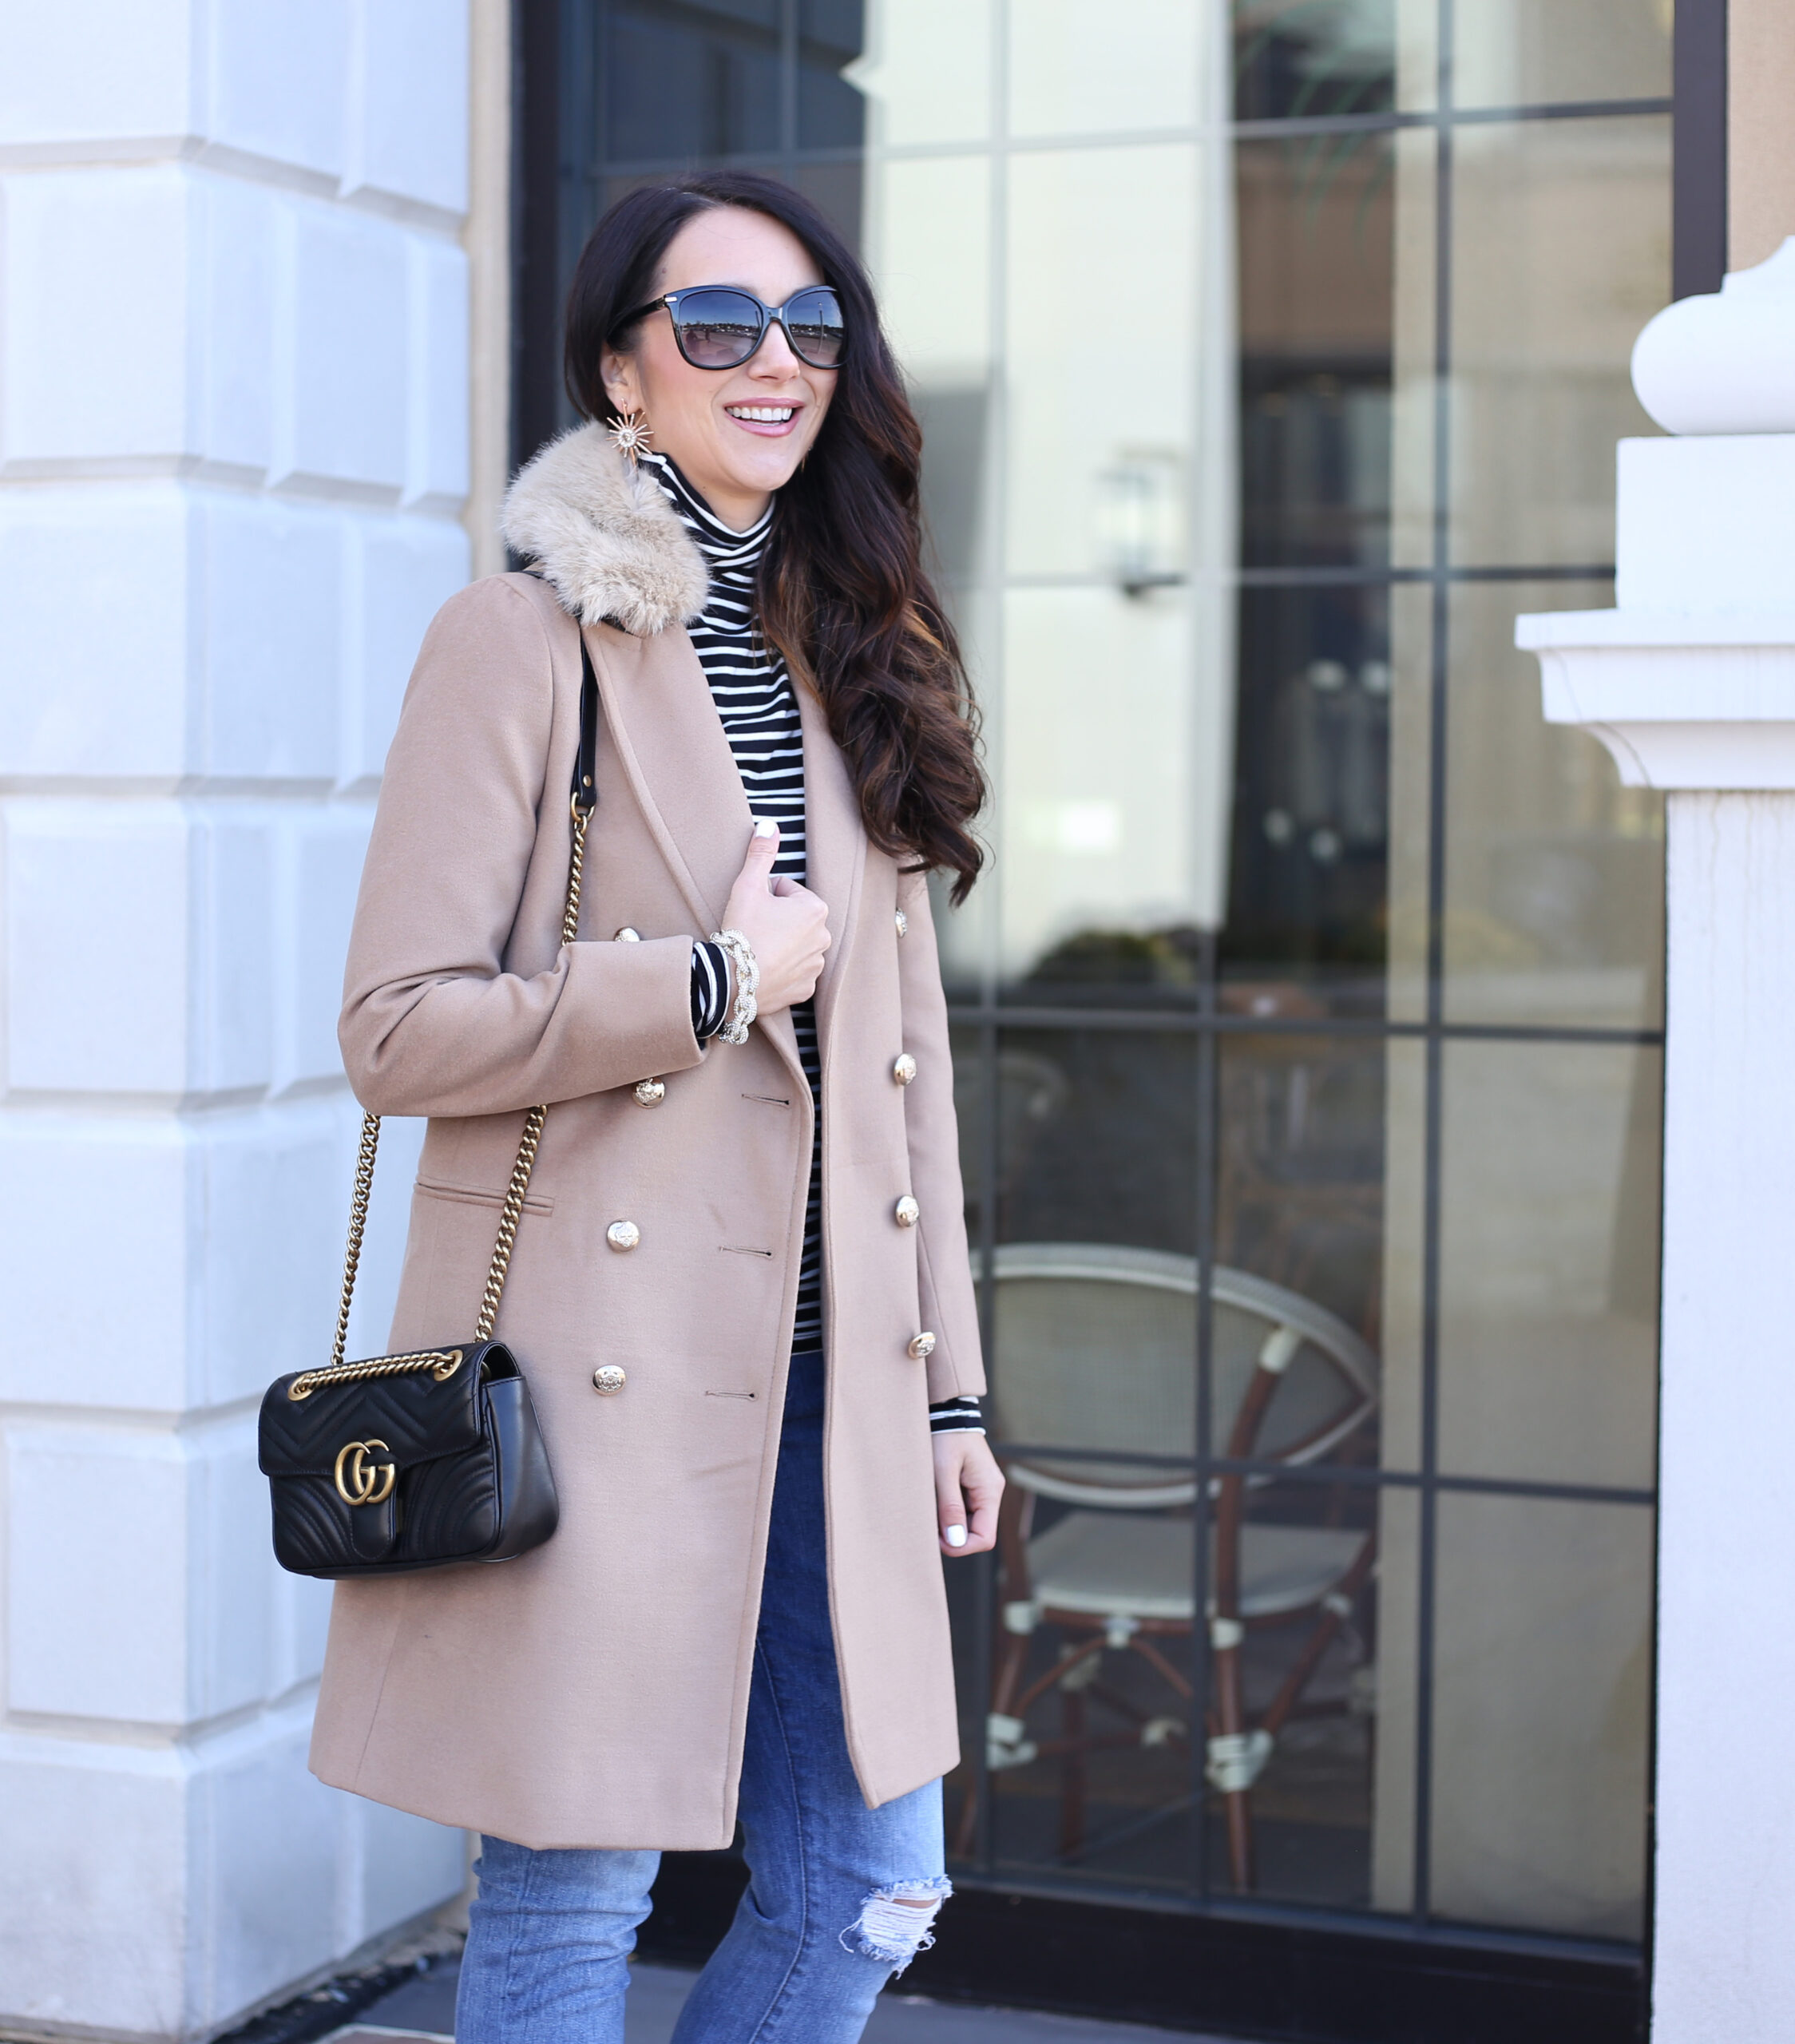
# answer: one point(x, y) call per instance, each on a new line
point(762, 466)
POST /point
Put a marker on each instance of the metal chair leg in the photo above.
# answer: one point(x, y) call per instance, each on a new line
point(1072, 1771)
point(1235, 1802)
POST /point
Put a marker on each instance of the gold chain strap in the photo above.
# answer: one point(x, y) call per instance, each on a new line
point(445, 1362)
point(358, 1222)
point(442, 1363)
point(576, 868)
point(509, 1215)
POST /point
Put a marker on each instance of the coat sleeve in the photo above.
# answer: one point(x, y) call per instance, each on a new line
point(949, 1305)
point(432, 1022)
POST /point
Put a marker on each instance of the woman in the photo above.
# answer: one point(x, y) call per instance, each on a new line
point(740, 1290)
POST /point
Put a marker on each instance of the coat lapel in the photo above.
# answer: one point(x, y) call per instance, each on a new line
point(836, 841)
point(659, 713)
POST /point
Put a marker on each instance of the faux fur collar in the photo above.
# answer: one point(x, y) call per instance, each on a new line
point(605, 536)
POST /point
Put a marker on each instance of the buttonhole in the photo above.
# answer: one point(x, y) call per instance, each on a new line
point(732, 1394)
point(734, 1249)
point(770, 1099)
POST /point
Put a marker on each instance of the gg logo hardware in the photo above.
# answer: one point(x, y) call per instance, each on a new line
point(364, 1481)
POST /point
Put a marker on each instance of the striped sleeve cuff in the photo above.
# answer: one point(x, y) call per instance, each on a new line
point(955, 1415)
point(710, 989)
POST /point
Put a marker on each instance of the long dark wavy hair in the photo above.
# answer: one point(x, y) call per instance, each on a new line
point(842, 591)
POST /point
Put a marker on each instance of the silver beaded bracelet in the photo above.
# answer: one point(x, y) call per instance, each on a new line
point(747, 983)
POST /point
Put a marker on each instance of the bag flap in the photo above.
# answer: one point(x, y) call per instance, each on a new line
point(404, 1416)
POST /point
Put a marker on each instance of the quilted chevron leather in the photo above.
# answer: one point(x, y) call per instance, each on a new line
point(416, 1417)
point(471, 1481)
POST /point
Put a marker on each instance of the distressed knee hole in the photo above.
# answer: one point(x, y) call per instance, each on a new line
point(894, 1922)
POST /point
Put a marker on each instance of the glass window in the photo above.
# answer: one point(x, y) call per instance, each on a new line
point(714, 77)
point(1315, 218)
point(1538, 53)
point(1308, 874)
point(831, 113)
point(1548, 1294)
point(1564, 253)
point(1541, 1709)
point(1270, 356)
point(1555, 873)
point(1314, 59)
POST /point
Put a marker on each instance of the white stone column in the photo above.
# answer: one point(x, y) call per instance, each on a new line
point(233, 433)
point(1690, 684)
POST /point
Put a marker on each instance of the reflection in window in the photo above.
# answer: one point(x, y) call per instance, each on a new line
point(1298, 57)
point(713, 76)
point(1317, 218)
point(1100, 1557)
point(1213, 659)
point(690, 80)
point(1300, 1178)
point(1578, 243)
point(1311, 823)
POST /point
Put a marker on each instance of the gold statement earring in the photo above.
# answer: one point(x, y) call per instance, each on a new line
point(629, 432)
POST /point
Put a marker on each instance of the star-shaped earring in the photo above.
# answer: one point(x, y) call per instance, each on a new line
point(630, 433)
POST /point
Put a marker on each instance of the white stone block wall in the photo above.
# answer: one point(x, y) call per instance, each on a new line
point(233, 447)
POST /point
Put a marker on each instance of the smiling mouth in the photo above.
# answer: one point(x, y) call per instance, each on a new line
point(762, 414)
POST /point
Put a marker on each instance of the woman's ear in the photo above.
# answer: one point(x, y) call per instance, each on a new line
point(622, 386)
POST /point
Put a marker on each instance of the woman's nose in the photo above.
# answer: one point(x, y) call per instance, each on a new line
point(774, 358)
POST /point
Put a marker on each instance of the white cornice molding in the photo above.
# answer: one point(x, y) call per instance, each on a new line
point(1681, 699)
point(1690, 684)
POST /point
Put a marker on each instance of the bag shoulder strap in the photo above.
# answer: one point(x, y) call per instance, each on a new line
point(585, 767)
point(582, 801)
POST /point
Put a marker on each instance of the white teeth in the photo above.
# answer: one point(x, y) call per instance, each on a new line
point(762, 414)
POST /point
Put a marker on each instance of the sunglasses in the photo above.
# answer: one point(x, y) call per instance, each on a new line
point(718, 327)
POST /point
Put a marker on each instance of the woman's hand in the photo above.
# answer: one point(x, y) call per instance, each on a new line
point(787, 925)
point(969, 1486)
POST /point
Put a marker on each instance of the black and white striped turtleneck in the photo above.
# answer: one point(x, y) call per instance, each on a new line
point(755, 701)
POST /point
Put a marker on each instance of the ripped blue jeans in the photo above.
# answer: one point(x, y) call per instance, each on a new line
point(827, 1917)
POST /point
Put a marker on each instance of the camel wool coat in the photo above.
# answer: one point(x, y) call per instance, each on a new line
point(594, 1692)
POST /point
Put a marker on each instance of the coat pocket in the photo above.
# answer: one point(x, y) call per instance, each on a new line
point(476, 1195)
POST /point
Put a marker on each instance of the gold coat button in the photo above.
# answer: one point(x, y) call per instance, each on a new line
point(608, 1380)
point(626, 934)
point(902, 921)
point(922, 1346)
point(650, 1092)
point(907, 1213)
point(903, 1068)
point(622, 1235)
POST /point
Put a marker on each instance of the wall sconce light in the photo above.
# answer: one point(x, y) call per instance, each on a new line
point(1140, 519)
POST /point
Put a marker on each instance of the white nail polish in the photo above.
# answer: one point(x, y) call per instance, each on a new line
point(955, 1536)
point(764, 826)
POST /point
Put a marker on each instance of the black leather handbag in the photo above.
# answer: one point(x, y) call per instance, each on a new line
point(419, 1460)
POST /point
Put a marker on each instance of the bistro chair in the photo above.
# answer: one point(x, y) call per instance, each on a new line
point(1095, 1348)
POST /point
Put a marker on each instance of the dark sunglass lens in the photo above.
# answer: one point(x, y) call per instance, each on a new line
point(718, 329)
point(814, 317)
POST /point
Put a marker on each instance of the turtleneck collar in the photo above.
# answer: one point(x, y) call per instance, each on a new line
point(723, 547)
